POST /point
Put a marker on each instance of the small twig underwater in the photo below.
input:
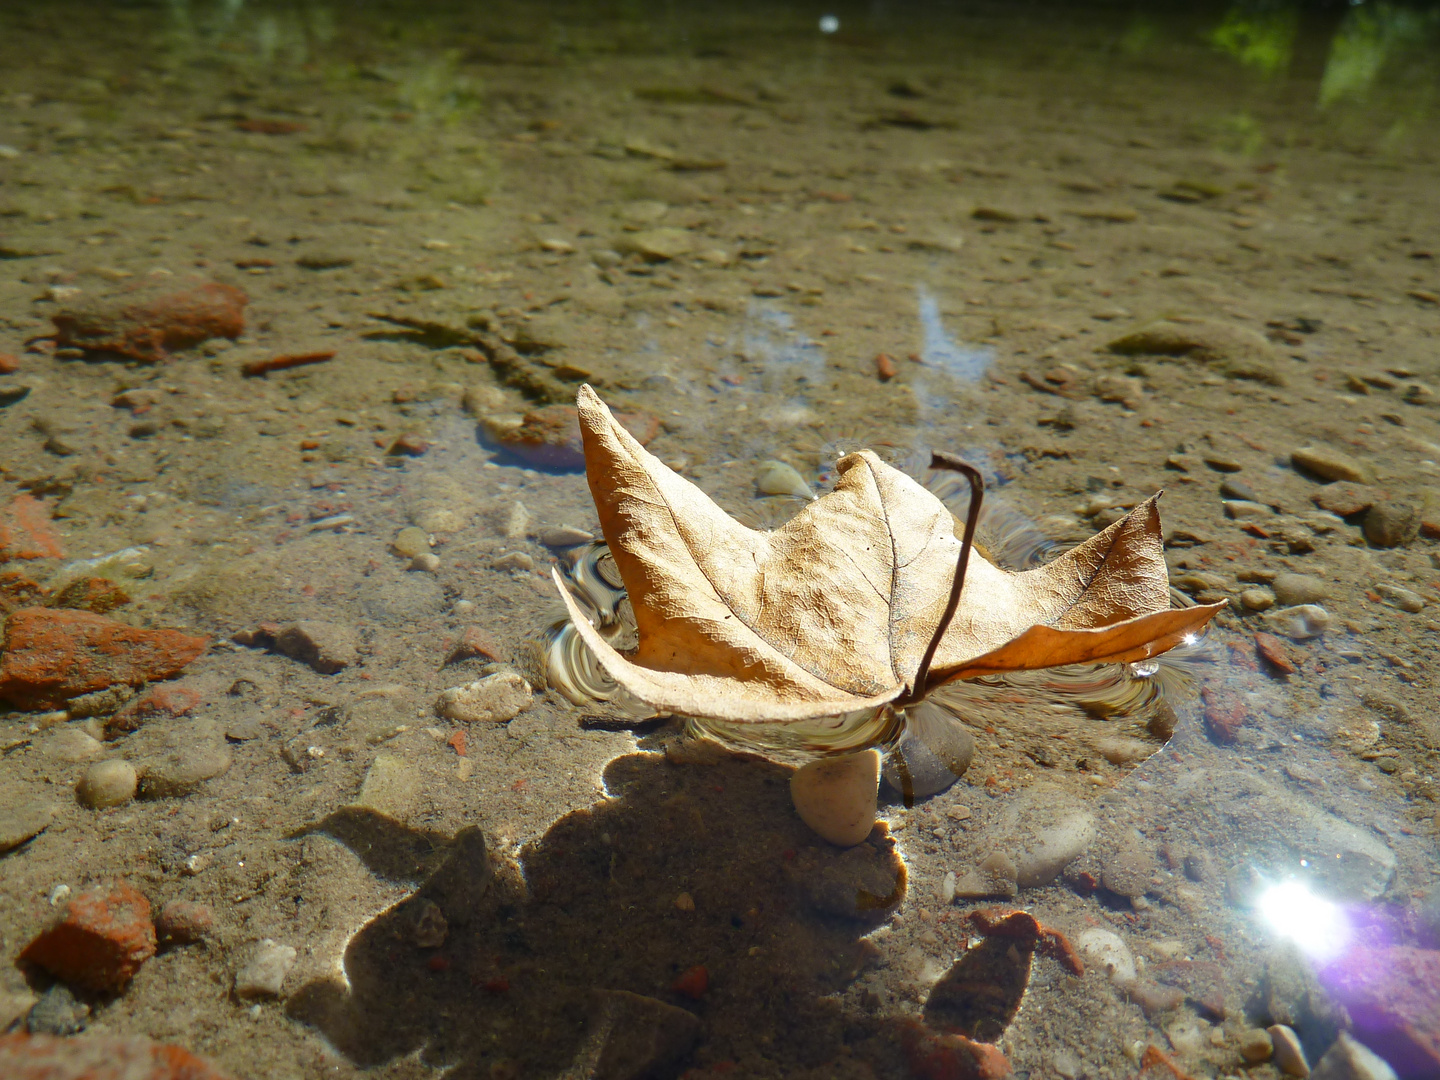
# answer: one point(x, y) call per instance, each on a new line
point(942, 460)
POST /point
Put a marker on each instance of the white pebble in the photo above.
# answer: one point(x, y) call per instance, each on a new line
point(777, 478)
point(264, 974)
point(837, 796)
point(1105, 948)
point(947, 887)
point(1289, 1054)
point(1302, 622)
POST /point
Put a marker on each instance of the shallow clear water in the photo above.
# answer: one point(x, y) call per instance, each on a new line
point(1103, 251)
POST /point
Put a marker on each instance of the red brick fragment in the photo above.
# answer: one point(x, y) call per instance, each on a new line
point(9, 363)
point(98, 1057)
point(550, 436)
point(100, 941)
point(457, 742)
point(1023, 927)
point(692, 982)
point(1276, 653)
point(18, 591)
point(25, 531)
point(885, 368)
point(286, 361)
point(408, 445)
point(934, 1055)
point(52, 655)
point(156, 702)
point(1392, 994)
point(95, 594)
point(182, 922)
point(1155, 1064)
point(474, 644)
point(1224, 714)
point(258, 126)
point(147, 329)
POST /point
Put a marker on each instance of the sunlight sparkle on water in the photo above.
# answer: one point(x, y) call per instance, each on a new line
point(1315, 924)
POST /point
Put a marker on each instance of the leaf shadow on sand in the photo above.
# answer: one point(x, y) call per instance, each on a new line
point(777, 923)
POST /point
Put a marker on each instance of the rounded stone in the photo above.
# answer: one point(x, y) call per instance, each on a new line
point(1391, 523)
point(925, 763)
point(837, 796)
point(106, 784)
point(1302, 622)
point(410, 542)
point(1128, 868)
point(1257, 599)
point(1293, 589)
point(1107, 950)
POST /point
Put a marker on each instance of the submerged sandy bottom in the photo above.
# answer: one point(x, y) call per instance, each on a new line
point(721, 221)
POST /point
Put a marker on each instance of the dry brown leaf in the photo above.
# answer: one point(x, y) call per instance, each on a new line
point(832, 612)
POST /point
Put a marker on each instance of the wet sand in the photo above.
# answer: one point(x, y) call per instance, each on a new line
point(720, 220)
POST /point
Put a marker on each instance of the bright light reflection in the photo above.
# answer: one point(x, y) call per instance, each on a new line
point(1315, 924)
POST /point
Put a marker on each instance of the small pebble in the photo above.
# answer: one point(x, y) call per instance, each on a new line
point(1255, 1045)
point(1329, 464)
point(496, 698)
point(563, 536)
point(1291, 589)
point(1257, 599)
point(1392, 523)
point(1300, 623)
point(994, 875)
point(410, 542)
point(947, 887)
point(1237, 489)
point(264, 974)
point(431, 927)
point(1403, 599)
point(1108, 952)
point(515, 560)
point(685, 902)
point(778, 478)
point(106, 784)
point(58, 1012)
point(1289, 1054)
point(326, 647)
point(1243, 510)
point(837, 796)
point(1128, 868)
point(427, 562)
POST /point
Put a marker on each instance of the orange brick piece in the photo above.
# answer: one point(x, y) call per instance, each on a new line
point(159, 701)
point(25, 531)
point(101, 940)
point(52, 656)
point(148, 326)
point(98, 1057)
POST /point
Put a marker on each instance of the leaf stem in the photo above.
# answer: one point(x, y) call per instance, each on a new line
point(941, 460)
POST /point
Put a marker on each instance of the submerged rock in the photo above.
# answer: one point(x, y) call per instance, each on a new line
point(497, 699)
point(1044, 830)
point(926, 761)
point(837, 796)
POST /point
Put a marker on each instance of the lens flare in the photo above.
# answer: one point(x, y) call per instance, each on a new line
point(1316, 925)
